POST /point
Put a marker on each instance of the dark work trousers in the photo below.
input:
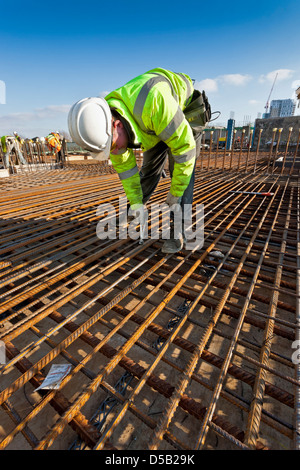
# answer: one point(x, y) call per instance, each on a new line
point(153, 165)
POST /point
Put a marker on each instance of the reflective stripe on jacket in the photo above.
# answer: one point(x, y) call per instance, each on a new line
point(153, 105)
point(53, 142)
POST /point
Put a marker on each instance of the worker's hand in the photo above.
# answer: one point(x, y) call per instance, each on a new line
point(173, 201)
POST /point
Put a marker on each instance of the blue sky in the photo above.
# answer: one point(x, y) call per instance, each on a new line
point(52, 55)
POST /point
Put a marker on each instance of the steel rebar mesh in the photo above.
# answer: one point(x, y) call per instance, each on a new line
point(199, 332)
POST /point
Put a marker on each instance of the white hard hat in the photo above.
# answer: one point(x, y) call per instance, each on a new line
point(89, 122)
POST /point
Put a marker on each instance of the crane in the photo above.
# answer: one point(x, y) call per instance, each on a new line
point(268, 100)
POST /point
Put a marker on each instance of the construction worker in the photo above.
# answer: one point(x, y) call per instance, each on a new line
point(54, 144)
point(158, 111)
point(60, 156)
point(10, 143)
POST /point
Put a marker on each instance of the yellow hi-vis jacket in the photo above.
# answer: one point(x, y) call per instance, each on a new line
point(10, 138)
point(153, 105)
point(53, 142)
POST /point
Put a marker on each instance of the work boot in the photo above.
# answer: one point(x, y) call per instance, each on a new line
point(173, 245)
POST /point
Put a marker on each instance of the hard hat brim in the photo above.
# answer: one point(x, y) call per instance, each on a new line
point(104, 155)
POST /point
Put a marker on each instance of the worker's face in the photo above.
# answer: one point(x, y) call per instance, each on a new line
point(120, 138)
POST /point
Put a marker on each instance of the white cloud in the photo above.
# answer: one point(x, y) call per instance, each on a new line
point(49, 112)
point(282, 74)
point(24, 122)
point(15, 118)
point(235, 79)
point(254, 102)
point(295, 84)
point(209, 85)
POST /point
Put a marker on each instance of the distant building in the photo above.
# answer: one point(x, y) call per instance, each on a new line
point(282, 108)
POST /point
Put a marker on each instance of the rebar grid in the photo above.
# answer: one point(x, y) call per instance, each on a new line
point(225, 375)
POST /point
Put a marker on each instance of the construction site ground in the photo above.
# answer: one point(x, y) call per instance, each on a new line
point(195, 350)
